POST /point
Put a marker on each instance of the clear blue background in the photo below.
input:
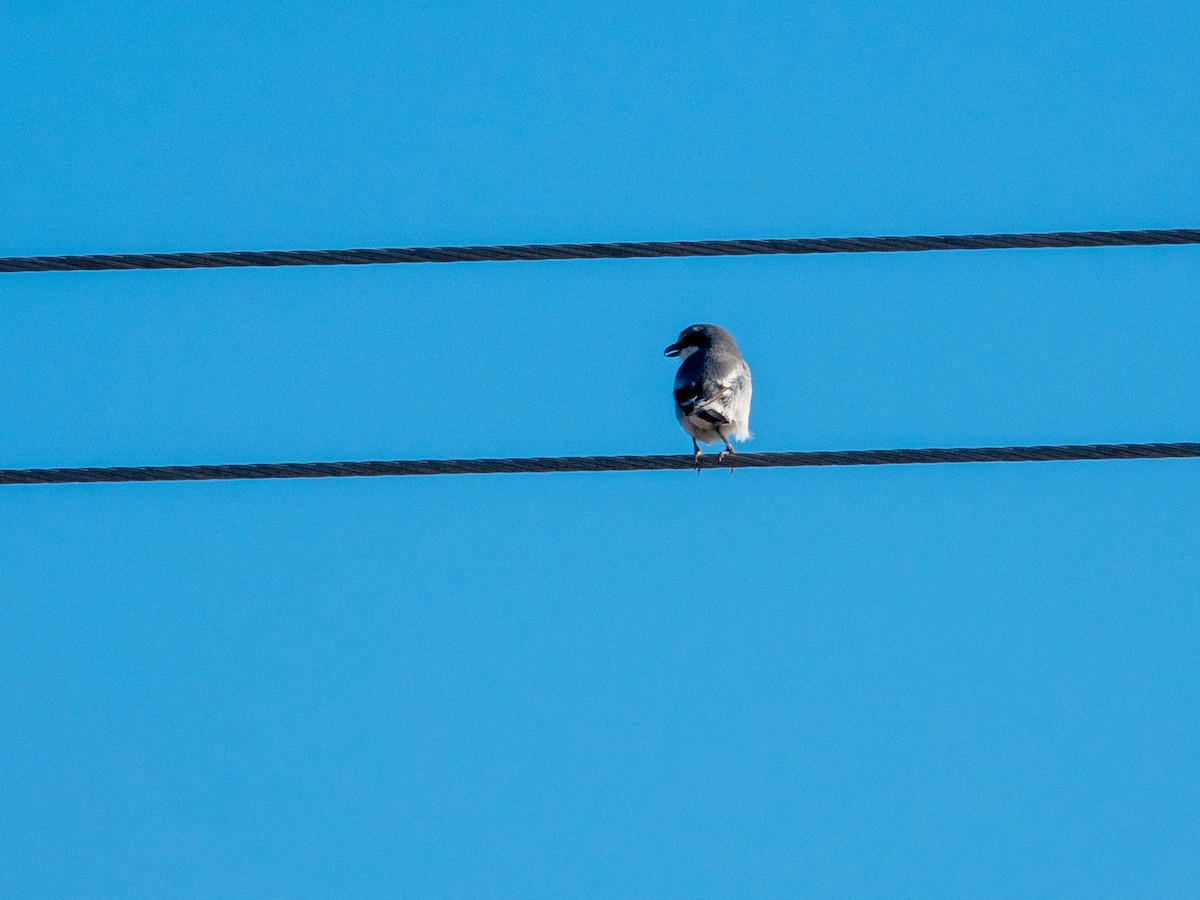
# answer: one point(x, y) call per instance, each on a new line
point(933, 681)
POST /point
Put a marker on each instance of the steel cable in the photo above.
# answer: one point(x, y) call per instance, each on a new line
point(617, 250)
point(1056, 453)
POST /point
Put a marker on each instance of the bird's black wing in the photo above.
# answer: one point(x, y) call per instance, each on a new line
point(692, 401)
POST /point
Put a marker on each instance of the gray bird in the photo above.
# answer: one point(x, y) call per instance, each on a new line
point(712, 387)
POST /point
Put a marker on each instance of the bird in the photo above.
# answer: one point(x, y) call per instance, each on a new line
point(712, 387)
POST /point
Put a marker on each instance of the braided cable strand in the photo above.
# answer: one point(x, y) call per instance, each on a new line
point(619, 250)
point(1057, 453)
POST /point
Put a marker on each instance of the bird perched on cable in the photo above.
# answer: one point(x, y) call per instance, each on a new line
point(712, 387)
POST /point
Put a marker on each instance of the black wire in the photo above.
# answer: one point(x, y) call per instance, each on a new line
point(623, 250)
point(1056, 453)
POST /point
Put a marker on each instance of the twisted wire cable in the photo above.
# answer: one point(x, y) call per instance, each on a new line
point(616, 250)
point(1054, 453)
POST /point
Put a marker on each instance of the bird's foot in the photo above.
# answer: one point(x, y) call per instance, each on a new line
point(696, 456)
point(724, 453)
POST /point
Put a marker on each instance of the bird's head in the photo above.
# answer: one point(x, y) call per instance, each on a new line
point(699, 337)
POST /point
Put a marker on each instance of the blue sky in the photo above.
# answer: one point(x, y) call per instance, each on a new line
point(929, 681)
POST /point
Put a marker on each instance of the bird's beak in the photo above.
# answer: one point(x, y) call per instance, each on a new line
point(673, 350)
